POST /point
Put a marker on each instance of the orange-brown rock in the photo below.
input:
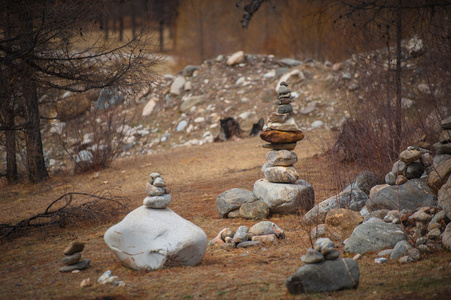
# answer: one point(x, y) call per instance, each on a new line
point(279, 137)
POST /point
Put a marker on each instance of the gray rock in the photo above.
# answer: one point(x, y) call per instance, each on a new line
point(311, 107)
point(364, 181)
point(385, 252)
point(401, 248)
point(414, 253)
point(390, 178)
point(439, 158)
point(412, 194)
point(157, 202)
point(446, 238)
point(254, 210)
point(444, 198)
point(74, 246)
point(332, 255)
point(290, 62)
point(177, 85)
point(182, 125)
point(281, 174)
point(71, 259)
point(267, 227)
point(190, 101)
point(421, 241)
point(232, 200)
point(81, 265)
point(414, 170)
point(312, 256)
point(441, 148)
point(159, 182)
point(324, 245)
point(248, 244)
point(152, 190)
point(189, 70)
point(285, 109)
point(285, 198)
point(241, 235)
point(370, 236)
point(399, 167)
point(281, 158)
point(446, 123)
point(405, 259)
point(354, 200)
point(329, 275)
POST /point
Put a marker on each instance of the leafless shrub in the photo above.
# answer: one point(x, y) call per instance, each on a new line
point(95, 139)
point(70, 209)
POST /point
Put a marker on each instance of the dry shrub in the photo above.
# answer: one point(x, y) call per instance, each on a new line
point(95, 139)
point(70, 209)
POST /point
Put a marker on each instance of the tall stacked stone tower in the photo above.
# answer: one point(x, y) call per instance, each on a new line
point(281, 188)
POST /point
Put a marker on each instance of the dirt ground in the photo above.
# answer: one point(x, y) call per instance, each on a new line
point(29, 265)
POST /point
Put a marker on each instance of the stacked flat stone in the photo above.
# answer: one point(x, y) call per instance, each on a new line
point(282, 134)
point(72, 257)
point(323, 271)
point(158, 194)
point(412, 163)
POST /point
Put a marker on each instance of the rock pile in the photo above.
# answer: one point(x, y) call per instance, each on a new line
point(323, 271)
point(412, 164)
point(281, 188)
point(158, 193)
point(72, 258)
point(282, 134)
point(281, 191)
point(380, 230)
point(262, 233)
point(153, 236)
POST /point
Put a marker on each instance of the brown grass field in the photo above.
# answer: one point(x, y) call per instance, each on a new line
point(29, 264)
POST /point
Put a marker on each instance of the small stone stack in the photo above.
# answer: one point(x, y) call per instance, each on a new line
point(72, 260)
point(158, 193)
point(262, 233)
point(323, 271)
point(411, 164)
point(282, 134)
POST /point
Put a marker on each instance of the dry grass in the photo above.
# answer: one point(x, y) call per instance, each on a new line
point(29, 265)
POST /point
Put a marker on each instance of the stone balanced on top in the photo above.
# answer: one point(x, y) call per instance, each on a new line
point(282, 134)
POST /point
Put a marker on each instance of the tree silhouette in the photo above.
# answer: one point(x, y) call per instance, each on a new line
point(39, 53)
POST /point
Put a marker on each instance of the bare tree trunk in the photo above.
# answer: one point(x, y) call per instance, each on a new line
point(121, 28)
point(161, 33)
point(35, 155)
point(10, 134)
point(398, 86)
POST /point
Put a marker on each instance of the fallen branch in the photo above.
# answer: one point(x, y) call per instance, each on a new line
point(69, 209)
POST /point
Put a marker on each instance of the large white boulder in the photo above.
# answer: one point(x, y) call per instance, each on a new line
point(151, 239)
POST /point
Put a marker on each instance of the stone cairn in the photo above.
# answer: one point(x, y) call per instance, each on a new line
point(323, 271)
point(72, 257)
point(264, 232)
point(282, 134)
point(412, 164)
point(158, 193)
